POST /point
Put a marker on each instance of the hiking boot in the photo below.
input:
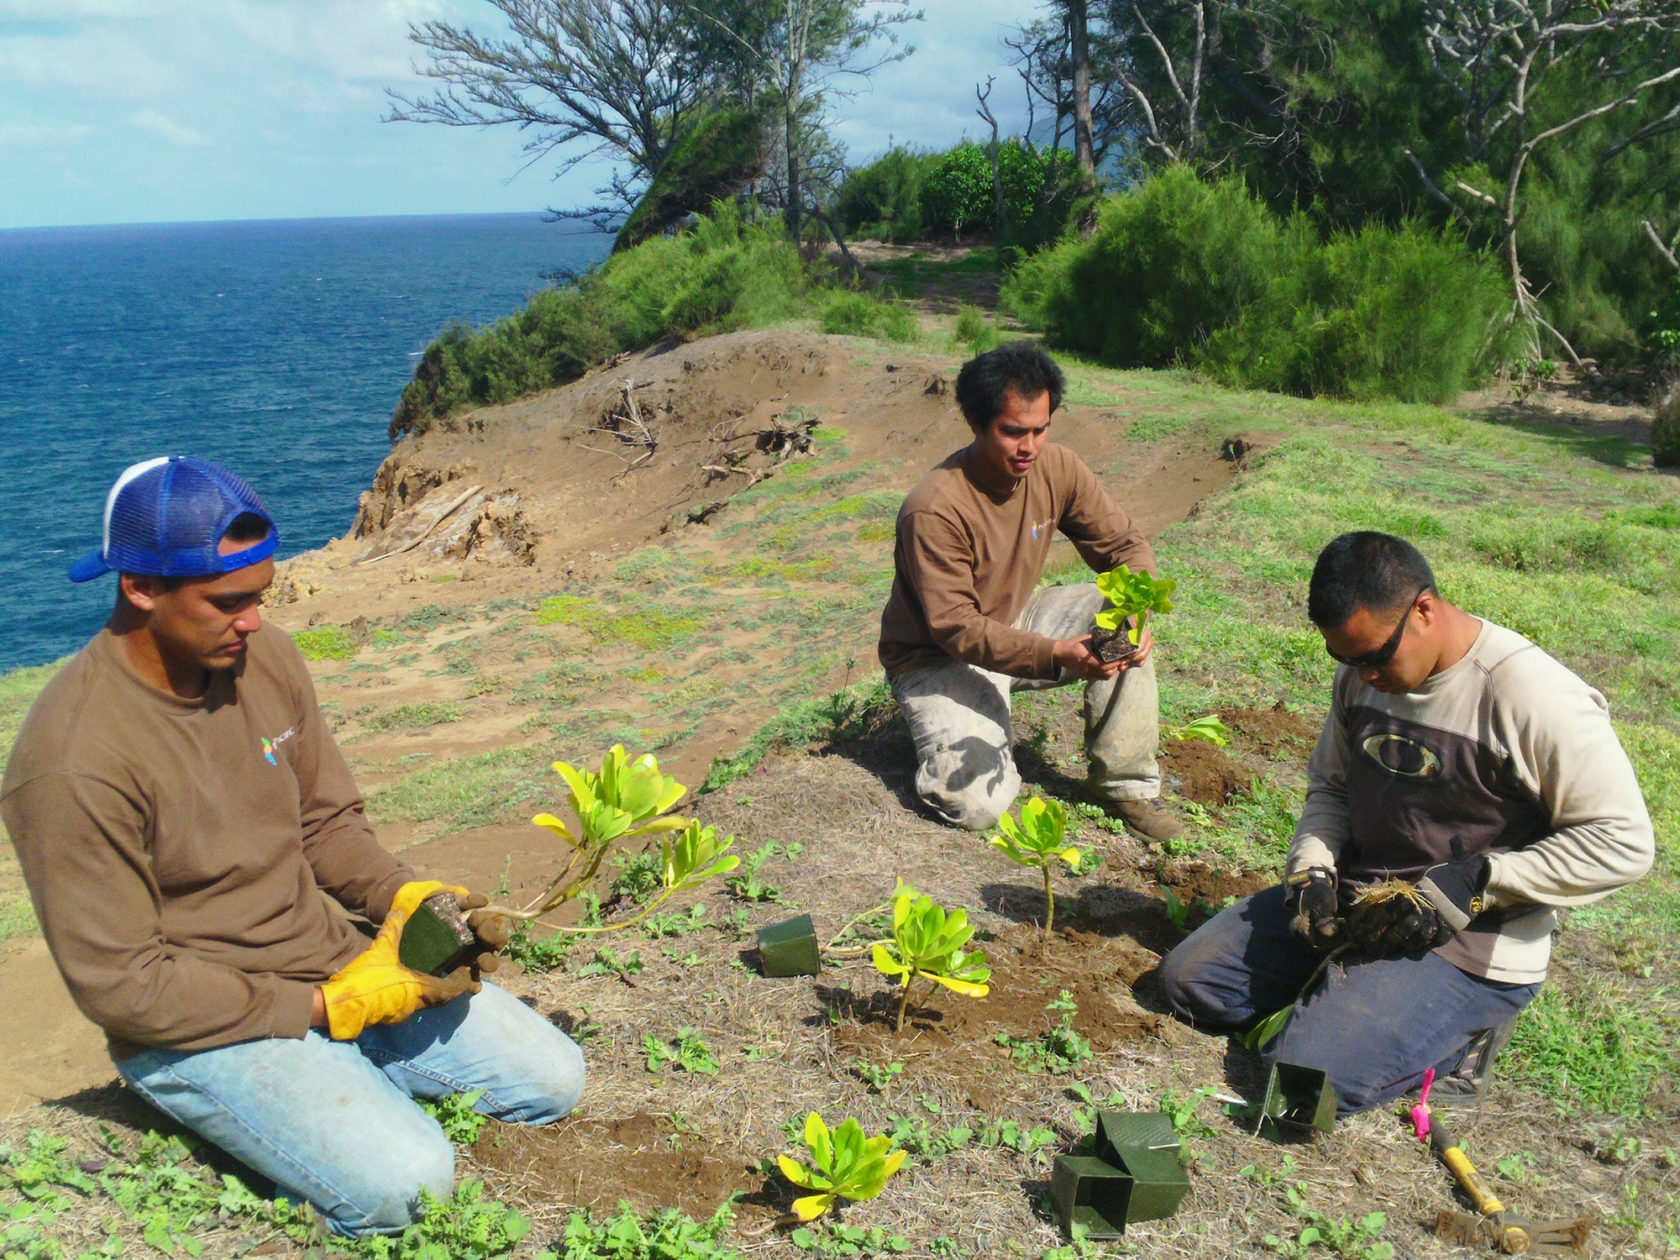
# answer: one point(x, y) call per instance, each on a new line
point(1467, 1085)
point(1146, 818)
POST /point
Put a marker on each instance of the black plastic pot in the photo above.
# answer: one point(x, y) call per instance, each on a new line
point(1143, 1145)
point(436, 938)
point(789, 948)
point(1299, 1098)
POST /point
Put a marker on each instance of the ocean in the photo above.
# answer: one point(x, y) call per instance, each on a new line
point(278, 348)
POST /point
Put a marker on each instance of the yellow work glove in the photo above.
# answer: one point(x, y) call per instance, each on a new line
point(374, 988)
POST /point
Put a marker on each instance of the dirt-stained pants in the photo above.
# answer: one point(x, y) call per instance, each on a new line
point(959, 718)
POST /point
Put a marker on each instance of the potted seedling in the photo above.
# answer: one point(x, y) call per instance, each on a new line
point(927, 942)
point(1131, 598)
point(844, 1165)
point(1036, 841)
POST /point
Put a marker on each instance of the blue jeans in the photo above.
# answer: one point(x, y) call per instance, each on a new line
point(333, 1122)
point(1374, 1026)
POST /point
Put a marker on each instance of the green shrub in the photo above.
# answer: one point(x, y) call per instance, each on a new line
point(1665, 425)
point(1170, 263)
point(1401, 313)
point(883, 201)
point(975, 331)
point(1184, 272)
point(724, 273)
point(866, 315)
point(958, 194)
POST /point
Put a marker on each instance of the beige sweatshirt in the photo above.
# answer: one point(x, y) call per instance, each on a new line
point(968, 556)
point(177, 851)
point(1505, 751)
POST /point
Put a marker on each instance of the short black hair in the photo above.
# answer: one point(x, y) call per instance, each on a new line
point(247, 527)
point(985, 381)
point(1377, 572)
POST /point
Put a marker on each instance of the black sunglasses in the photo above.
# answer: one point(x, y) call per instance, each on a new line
point(1376, 658)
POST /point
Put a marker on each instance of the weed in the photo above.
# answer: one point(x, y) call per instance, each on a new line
point(607, 963)
point(1352, 1240)
point(689, 1052)
point(457, 1116)
point(1271, 1177)
point(324, 643)
point(748, 886)
point(877, 1075)
point(667, 1235)
point(676, 922)
point(641, 628)
point(1012, 1135)
point(834, 1239)
point(918, 1137)
point(1059, 1050)
point(413, 717)
point(537, 953)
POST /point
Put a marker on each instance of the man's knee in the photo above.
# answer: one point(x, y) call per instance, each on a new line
point(387, 1197)
point(1194, 980)
point(552, 1087)
point(973, 807)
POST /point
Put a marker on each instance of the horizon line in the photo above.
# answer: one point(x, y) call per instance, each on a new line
point(308, 218)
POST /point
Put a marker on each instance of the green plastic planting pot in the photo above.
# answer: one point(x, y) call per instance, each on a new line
point(1143, 1146)
point(1091, 1192)
point(789, 948)
point(1299, 1098)
point(436, 939)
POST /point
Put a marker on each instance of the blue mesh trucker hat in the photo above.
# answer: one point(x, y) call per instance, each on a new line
point(164, 517)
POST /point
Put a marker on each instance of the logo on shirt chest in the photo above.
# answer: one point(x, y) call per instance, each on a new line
point(1044, 526)
point(269, 745)
point(1405, 757)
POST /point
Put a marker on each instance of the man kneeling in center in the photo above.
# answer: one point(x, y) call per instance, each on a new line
point(964, 627)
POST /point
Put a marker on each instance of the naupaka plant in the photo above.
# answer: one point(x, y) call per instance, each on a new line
point(928, 942)
point(1132, 596)
point(627, 797)
point(844, 1165)
point(1038, 840)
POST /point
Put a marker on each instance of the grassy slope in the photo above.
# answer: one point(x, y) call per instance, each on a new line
point(1558, 536)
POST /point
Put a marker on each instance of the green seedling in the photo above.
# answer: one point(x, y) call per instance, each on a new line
point(606, 962)
point(1207, 727)
point(1059, 1050)
point(877, 1075)
point(747, 885)
point(1035, 841)
point(927, 942)
point(844, 1165)
point(627, 797)
point(1132, 595)
point(689, 1052)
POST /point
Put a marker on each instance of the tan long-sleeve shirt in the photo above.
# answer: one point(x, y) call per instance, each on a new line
point(968, 556)
point(1505, 752)
point(177, 851)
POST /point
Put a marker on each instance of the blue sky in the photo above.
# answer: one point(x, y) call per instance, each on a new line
point(132, 111)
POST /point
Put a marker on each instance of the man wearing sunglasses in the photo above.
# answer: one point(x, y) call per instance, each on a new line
point(1474, 777)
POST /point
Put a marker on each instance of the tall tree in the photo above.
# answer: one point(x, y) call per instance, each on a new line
point(801, 50)
point(621, 77)
point(1527, 74)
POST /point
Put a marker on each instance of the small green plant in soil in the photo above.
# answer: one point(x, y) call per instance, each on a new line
point(1059, 1050)
point(456, 1116)
point(877, 1075)
point(666, 1235)
point(843, 1165)
point(607, 963)
point(1208, 727)
point(1132, 596)
point(1351, 1240)
point(1035, 841)
point(928, 942)
point(689, 1052)
point(748, 886)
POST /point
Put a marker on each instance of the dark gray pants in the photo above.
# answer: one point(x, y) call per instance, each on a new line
point(1373, 1026)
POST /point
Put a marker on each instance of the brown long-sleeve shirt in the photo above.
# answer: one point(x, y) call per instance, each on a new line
point(968, 556)
point(177, 850)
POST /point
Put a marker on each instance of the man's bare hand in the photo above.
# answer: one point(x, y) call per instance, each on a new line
point(1075, 656)
point(1145, 642)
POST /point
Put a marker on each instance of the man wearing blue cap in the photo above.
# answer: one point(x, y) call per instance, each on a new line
point(182, 817)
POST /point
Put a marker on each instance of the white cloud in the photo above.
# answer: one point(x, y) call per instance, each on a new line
point(166, 128)
point(351, 40)
point(96, 62)
point(42, 135)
